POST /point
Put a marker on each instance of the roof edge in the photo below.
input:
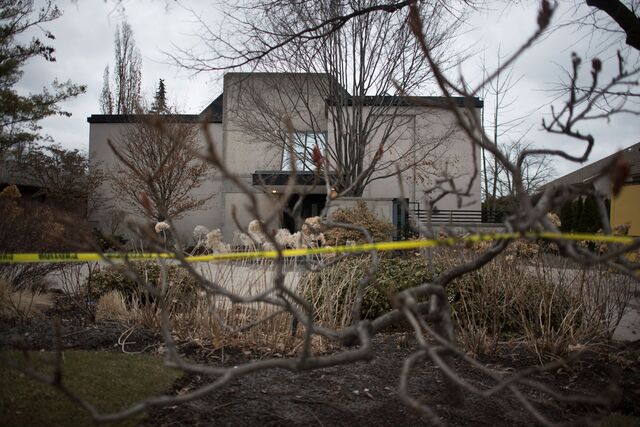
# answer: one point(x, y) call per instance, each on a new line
point(135, 118)
point(410, 101)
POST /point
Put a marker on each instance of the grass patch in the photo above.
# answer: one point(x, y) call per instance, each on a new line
point(619, 420)
point(110, 381)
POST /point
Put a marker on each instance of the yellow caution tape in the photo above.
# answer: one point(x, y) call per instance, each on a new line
point(56, 257)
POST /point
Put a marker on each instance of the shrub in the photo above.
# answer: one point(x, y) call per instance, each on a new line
point(28, 226)
point(550, 308)
point(215, 319)
point(113, 279)
point(581, 215)
point(22, 305)
point(332, 290)
point(112, 306)
point(359, 215)
point(109, 242)
point(10, 192)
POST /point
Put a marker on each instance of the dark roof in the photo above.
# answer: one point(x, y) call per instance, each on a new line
point(274, 178)
point(213, 111)
point(587, 173)
point(212, 114)
point(11, 172)
point(134, 118)
point(407, 101)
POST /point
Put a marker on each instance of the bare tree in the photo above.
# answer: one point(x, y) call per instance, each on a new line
point(357, 67)
point(158, 170)
point(127, 75)
point(617, 16)
point(499, 90)
point(426, 307)
point(106, 96)
point(62, 175)
point(536, 171)
point(509, 135)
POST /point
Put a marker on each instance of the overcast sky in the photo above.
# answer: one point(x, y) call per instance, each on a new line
point(84, 46)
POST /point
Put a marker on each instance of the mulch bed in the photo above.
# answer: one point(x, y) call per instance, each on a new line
point(364, 393)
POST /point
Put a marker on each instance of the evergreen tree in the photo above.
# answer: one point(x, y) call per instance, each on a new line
point(576, 207)
point(567, 218)
point(160, 99)
point(590, 219)
point(19, 113)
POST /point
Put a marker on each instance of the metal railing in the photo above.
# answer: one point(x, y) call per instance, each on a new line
point(439, 216)
point(404, 210)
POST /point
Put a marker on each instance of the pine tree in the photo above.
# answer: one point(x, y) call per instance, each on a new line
point(590, 218)
point(160, 100)
point(576, 206)
point(19, 113)
point(567, 220)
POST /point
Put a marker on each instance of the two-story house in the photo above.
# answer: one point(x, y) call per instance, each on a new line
point(264, 124)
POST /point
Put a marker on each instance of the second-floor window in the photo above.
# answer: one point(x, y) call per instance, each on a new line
point(303, 143)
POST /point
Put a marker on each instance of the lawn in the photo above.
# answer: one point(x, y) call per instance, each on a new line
point(109, 380)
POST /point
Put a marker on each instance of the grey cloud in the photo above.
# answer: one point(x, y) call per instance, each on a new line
point(84, 44)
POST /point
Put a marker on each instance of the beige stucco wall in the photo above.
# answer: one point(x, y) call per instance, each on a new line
point(111, 208)
point(248, 142)
point(259, 111)
point(428, 139)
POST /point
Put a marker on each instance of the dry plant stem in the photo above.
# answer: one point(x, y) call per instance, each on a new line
point(306, 317)
point(122, 342)
point(444, 279)
point(511, 382)
point(430, 320)
point(225, 374)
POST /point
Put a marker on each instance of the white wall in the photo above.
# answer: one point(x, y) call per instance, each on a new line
point(111, 205)
point(428, 139)
point(259, 108)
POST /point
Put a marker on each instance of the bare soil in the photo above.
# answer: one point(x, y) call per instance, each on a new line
point(364, 393)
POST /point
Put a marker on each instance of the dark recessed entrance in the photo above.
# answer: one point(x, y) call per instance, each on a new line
point(312, 205)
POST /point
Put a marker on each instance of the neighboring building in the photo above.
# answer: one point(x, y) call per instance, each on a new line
point(625, 207)
point(12, 174)
point(248, 119)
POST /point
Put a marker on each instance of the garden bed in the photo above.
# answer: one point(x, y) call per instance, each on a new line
point(364, 393)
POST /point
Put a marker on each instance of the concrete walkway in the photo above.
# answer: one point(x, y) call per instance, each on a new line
point(629, 327)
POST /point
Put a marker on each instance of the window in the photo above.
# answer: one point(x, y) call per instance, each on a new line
point(303, 143)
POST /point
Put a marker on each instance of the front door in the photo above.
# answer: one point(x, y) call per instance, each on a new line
point(312, 205)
